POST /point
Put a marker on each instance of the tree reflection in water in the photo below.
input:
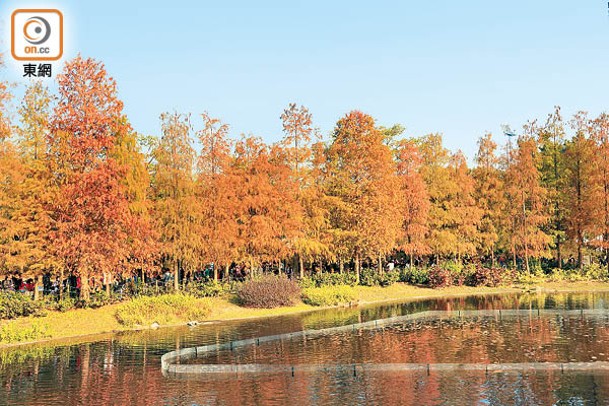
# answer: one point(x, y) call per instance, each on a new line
point(124, 368)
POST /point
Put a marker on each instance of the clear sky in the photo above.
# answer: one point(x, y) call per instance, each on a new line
point(457, 67)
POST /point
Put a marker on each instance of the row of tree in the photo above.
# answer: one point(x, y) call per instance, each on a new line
point(82, 192)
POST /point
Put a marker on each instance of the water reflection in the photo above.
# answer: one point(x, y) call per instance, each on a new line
point(124, 368)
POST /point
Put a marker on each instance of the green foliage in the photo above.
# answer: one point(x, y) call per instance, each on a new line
point(100, 298)
point(63, 305)
point(329, 295)
point(595, 271)
point(269, 292)
point(10, 332)
point(164, 309)
point(15, 304)
point(415, 276)
point(371, 277)
point(328, 279)
point(209, 289)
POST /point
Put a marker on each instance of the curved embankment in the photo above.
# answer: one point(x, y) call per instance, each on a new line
point(171, 366)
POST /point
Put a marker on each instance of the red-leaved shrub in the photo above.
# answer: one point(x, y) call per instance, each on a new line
point(269, 292)
point(483, 276)
point(440, 277)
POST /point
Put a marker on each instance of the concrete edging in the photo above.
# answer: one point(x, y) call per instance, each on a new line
point(170, 362)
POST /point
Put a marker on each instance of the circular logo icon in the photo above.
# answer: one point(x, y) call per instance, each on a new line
point(36, 30)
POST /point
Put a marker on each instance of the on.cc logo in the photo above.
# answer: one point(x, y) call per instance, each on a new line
point(36, 30)
point(37, 34)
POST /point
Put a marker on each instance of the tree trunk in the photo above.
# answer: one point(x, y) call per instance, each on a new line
point(579, 251)
point(108, 281)
point(227, 272)
point(37, 295)
point(357, 270)
point(558, 252)
point(176, 275)
point(85, 292)
point(514, 258)
point(301, 266)
point(380, 264)
point(215, 273)
point(341, 266)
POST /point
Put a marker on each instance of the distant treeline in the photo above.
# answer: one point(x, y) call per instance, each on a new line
point(82, 192)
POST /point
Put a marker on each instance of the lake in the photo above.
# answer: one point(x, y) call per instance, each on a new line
point(372, 365)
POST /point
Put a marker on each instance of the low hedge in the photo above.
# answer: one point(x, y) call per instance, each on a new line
point(163, 309)
point(16, 304)
point(269, 292)
point(329, 295)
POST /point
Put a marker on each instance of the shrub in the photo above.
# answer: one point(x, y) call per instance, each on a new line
point(595, 271)
point(15, 304)
point(63, 305)
point(164, 309)
point(453, 267)
point(483, 276)
point(269, 292)
point(415, 276)
point(11, 332)
point(440, 277)
point(371, 277)
point(328, 279)
point(531, 279)
point(207, 289)
point(99, 299)
point(307, 282)
point(389, 278)
point(329, 295)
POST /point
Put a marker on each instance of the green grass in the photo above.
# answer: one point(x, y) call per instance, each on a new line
point(330, 295)
point(164, 309)
point(73, 326)
point(12, 333)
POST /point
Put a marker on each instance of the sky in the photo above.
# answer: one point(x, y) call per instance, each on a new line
point(461, 68)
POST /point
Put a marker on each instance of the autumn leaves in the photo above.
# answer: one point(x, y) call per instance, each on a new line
point(81, 191)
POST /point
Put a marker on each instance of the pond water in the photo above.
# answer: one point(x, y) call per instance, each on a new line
point(126, 369)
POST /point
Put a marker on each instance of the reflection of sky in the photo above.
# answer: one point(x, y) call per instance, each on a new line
point(487, 337)
point(125, 368)
point(458, 67)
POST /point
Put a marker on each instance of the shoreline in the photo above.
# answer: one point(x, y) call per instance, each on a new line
point(66, 333)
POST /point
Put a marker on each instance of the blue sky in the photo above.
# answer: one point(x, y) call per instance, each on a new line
point(457, 67)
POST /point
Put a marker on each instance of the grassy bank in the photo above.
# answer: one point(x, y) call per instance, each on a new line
point(84, 322)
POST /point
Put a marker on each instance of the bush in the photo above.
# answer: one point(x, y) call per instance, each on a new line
point(329, 295)
point(15, 304)
point(328, 279)
point(63, 305)
point(10, 332)
point(164, 309)
point(415, 276)
point(99, 299)
point(595, 271)
point(483, 276)
point(269, 292)
point(371, 277)
point(440, 277)
point(307, 282)
point(207, 289)
point(389, 278)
